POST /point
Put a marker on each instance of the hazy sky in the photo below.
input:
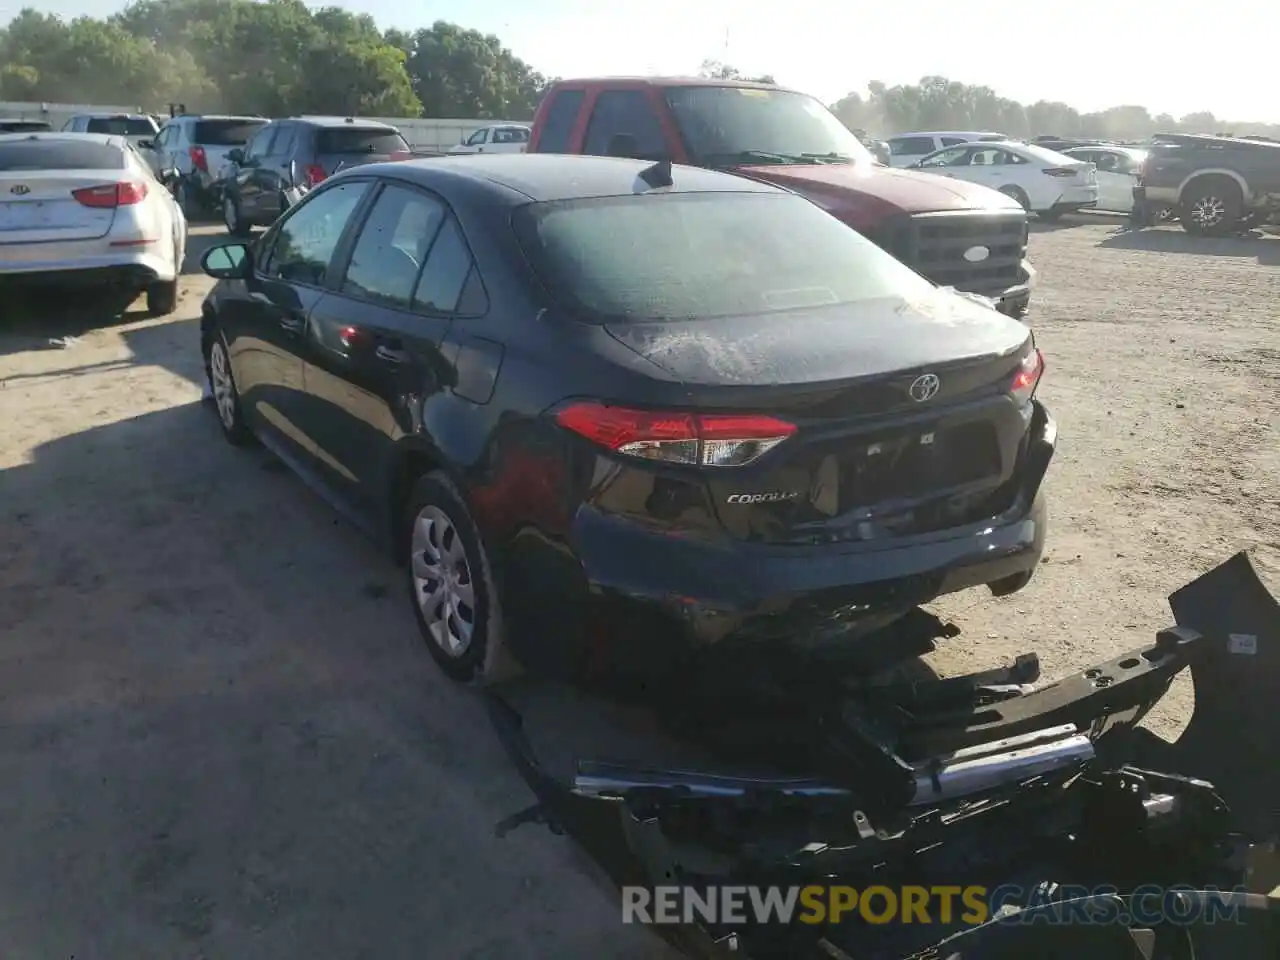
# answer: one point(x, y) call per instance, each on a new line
point(1181, 58)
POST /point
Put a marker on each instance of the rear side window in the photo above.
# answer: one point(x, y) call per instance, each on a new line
point(122, 126)
point(225, 133)
point(557, 124)
point(910, 146)
point(60, 155)
point(357, 140)
point(392, 245)
point(446, 271)
point(700, 255)
point(627, 113)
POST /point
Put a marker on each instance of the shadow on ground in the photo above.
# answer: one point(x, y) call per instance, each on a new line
point(222, 736)
point(1266, 250)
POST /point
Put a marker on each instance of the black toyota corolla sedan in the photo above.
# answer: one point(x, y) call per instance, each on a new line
point(607, 412)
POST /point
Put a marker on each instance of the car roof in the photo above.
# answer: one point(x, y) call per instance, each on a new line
point(675, 81)
point(354, 123)
point(110, 139)
point(197, 117)
point(549, 177)
point(948, 133)
point(108, 115)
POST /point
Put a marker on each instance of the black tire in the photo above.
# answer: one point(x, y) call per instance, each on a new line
point(450, 545)
point(230, 413)
point(1049, 216)
point(1017, 194)
point(162, 298)
point(1211, 206)
point(232, 217)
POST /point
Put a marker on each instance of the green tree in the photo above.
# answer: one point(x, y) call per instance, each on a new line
point(715, 70)
point(463, 73)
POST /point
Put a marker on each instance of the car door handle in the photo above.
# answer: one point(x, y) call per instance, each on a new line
point(293, 322)
point(391, 354)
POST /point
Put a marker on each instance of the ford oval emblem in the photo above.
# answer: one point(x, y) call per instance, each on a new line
point(977, 254)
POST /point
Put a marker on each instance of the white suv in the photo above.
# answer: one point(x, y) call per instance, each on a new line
point(197, 147)
point(906, 148)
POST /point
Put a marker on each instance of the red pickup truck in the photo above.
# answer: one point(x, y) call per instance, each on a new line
point(956, 234)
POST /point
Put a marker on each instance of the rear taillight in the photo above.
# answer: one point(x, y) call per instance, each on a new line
point(1059, 172)
point(1028, 377)
point(111, 195)
point(199, 159)
point(697, 439)
point(315, 174)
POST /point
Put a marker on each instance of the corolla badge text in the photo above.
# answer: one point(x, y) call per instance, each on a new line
point(772, 496)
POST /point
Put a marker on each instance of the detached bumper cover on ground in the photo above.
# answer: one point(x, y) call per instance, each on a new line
point(882, 797)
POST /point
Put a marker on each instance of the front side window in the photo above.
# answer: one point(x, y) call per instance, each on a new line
point(728, 126)
point(307, 239)
point(392, 246)
point(956, 156)
point(700, 255)
point(478, 137)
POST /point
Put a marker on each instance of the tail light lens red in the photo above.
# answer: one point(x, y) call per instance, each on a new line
point(111, 195)
point(1060, 171)
point(1028, 377)
point(199, 159)
point(315, 174)
point(695, 439)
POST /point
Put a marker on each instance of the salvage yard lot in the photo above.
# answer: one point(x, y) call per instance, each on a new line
point(220, 735)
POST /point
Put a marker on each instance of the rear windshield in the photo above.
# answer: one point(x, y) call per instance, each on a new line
point(701, 255)
point(60, 155)
point(122, 126)
point(226, 133)
point(356, 140)
point(23, 126)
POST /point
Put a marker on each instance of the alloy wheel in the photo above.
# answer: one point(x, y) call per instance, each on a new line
point(442, 581)
point(224, 391)
point(1208, 211)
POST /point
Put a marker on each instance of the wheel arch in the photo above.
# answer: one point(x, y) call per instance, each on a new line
point(412, 458)
point(1211, 172)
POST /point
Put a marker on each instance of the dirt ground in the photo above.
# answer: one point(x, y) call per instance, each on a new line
point(221, 737)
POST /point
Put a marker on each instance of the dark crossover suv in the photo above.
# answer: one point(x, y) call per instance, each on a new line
point(299, 153)
point(613, 413)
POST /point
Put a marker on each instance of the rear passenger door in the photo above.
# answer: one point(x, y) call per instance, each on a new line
point(374, 341)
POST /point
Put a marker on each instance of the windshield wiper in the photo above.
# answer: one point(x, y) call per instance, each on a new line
point(832, 157)
point(753, 156)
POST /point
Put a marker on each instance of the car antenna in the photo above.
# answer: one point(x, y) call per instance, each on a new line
point(658, 175)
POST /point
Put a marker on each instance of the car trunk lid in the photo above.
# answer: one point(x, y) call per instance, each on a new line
point(40, 207)
point(904, 418)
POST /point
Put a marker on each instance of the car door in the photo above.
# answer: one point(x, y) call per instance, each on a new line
point(476, 142)
point(267, 325)
point(249, 180)
point(1117, 175)
point(373, 341)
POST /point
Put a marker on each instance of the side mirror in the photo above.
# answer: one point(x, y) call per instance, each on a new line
point(228, 261)
point(623, 145)
point(169, 176)
point(235, 155)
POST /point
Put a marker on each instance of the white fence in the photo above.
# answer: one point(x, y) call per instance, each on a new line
point(422, 133)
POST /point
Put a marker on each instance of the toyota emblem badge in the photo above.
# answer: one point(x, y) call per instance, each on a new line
point(924, 387)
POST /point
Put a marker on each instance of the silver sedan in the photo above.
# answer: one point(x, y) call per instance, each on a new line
point(85, 210)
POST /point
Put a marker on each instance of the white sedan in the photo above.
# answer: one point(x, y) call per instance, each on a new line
point(1045, 182)
point(85, 210)
point(1118, 169)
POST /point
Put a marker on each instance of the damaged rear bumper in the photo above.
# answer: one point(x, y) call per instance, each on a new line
point(967, 780)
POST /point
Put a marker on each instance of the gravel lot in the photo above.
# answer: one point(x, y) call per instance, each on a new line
point(221, 737)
